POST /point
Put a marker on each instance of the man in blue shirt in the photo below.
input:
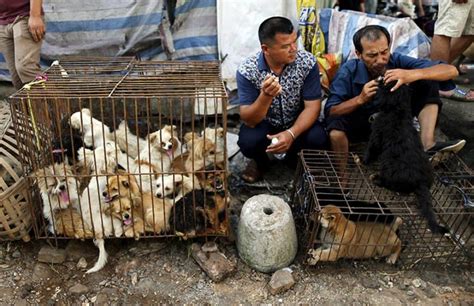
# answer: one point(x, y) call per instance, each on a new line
point(350, 106)
point(280, 99)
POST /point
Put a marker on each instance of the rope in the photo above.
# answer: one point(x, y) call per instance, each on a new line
point(39, 80)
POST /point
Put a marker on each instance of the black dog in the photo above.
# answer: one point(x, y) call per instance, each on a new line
point(404, 166)
point(196, 211)
point(66, 143)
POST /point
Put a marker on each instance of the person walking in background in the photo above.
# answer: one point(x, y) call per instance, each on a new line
point(453, 34)
point(352, 5)
point(22, 30)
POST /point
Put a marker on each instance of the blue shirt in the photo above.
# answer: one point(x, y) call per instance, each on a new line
point(353, 75)
point(299, 81)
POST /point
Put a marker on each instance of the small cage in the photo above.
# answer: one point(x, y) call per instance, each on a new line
point(118, 147)
point(389, 225)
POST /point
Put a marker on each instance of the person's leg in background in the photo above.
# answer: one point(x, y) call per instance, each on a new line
point(27, 51)
point(7, 48)
point(454, 32)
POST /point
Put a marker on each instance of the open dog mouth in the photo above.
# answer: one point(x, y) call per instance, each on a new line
point(127, 221)
point(108, 199)
point(64, 196)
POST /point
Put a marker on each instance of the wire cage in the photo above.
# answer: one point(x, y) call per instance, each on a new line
point(375, 222)
point(118, 147)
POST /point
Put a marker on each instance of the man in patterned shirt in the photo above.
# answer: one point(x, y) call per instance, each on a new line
point(280, 99)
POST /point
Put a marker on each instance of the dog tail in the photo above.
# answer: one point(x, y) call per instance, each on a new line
point(423, 196)
point(100, 244)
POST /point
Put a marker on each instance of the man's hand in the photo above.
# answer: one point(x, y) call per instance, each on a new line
point(36, 27)
point(270, 86)
point(283, 145)
point(369, 90)
point(402, 76)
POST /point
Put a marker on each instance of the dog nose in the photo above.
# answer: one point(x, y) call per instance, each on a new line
point(158, 195)
point(126, 216)
point(104, 193)
point(62, 187)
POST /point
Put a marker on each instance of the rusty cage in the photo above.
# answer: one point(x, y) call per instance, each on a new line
point(118, 147)
point(384, 215)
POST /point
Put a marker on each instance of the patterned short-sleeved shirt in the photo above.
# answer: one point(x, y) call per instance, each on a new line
point(299, 81)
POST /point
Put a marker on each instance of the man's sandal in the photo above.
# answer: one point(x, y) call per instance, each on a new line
point(459, 95)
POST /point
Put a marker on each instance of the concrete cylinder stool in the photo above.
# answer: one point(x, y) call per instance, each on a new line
point(266, 236)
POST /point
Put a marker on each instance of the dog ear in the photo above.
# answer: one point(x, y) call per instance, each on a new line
point(152, 138)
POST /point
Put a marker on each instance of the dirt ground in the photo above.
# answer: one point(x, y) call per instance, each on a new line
point(153, 271)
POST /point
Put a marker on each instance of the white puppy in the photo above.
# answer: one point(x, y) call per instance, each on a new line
point(175, 186)
point(155, 158)
point(94, 132)
point(100, 161)
point(58, 187)
point(129, 143)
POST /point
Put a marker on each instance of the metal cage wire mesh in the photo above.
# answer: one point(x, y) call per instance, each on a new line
point(318, 184)
point(147, 96)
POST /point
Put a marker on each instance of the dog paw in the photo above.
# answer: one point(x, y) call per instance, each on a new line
point(129, 233)
point(314, 257)
point(392, 259)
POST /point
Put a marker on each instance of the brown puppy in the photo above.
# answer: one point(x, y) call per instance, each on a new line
point(343, 238)
point(122, 197)
point(140, 212)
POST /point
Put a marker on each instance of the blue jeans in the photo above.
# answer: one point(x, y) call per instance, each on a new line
point(253, 141)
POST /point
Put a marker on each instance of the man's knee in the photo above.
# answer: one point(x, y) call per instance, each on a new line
point(338, 139)
point(317, 137)
point(337, 136)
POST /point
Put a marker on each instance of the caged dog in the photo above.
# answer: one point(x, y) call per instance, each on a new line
point(404, 166)
point(343, 238)
point(201, 209)
point(139, 212)
point(58, 188)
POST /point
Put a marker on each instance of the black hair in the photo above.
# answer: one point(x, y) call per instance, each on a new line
point(273, 25)
point(371, 33)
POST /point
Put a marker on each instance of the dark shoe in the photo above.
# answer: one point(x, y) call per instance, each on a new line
point(447, 146)
point(441, 150)
point(252, 173)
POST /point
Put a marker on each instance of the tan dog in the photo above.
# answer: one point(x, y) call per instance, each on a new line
point(139, 212)
point(68, 222)
point(343, 238)
point(201, 153)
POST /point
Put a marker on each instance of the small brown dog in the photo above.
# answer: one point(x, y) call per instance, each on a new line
point(139, 212)
point(343, 238)
point(68, 222)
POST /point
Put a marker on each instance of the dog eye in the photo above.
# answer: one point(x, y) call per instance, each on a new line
point(163, 144)
point(211, 152)
point(158, 185)
point(167, 188)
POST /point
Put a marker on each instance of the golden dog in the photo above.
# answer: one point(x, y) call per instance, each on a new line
point(343, 238)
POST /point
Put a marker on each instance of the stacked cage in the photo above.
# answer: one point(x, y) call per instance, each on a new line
point(343, 214)
point(117, 147)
